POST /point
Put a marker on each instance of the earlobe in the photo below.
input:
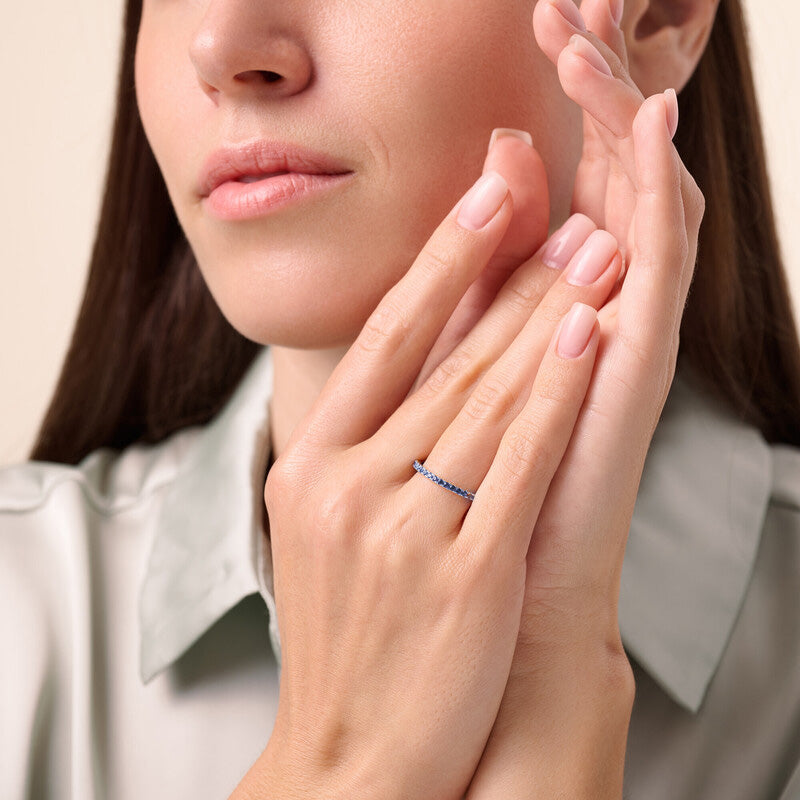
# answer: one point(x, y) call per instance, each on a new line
point(665, 40)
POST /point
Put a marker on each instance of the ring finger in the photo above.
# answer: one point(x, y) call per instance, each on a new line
point(455, 422)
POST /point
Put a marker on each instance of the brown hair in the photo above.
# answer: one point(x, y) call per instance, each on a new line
point(152, 353)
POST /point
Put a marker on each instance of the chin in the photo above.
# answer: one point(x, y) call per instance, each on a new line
point(291, 322)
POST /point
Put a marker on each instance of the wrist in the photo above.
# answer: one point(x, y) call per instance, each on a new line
point(283, 772)
point(277, 776)
point(562, 740)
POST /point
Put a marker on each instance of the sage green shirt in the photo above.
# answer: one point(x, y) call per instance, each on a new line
point(141, 652)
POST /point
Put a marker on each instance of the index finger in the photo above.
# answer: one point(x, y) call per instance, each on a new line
point(377, 371)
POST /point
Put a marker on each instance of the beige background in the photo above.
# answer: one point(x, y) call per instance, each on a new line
point(61, 66)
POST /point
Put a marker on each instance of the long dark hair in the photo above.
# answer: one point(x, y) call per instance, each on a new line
point(152, 353)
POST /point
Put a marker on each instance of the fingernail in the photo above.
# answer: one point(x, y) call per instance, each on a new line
point(576, 330)
point(586, 50)
point(563, 244)
point(482, 201)
point(498, 133)
point(591, 261)
point(671, 99)
point(570, 12)
point(616, 7)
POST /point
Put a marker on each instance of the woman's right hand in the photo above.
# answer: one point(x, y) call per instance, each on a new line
point(399, 601)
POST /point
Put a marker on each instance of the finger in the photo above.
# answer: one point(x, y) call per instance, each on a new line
point(511, 495)
point(591, 177)
point(555, 22)
point(536, 296)
point(607, 93)
point(454, 425)
point(632, 376)
point(632, 373)
point(522, 167)
point(518, 297)
point(598, 17)
point(606, 101)
point(598, 82)
point(376, 372)
point(651, 296)
point(604, 186)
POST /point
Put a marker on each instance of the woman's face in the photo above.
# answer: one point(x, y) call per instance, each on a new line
point(404, 94)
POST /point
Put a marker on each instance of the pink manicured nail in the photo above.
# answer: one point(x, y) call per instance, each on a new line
point(592, 260)
point(564, 243)
point(498, 133)
point(671, 99)
point(482, 201)
point(576, 330)
point(570, 12)
point(586, 50)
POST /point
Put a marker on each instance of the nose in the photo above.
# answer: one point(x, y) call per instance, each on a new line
point(241, 48)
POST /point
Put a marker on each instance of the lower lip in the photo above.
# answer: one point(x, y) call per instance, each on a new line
point(234, 200)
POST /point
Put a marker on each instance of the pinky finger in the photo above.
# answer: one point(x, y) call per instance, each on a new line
point(511, 495)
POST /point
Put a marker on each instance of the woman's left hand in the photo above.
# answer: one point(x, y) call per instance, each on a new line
point(561, 730)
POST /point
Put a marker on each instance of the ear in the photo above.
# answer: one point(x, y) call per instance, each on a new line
point(665, 40)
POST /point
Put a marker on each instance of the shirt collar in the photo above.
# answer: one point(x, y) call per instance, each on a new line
point(208, 550)
point(691, 549)
point(693, 539)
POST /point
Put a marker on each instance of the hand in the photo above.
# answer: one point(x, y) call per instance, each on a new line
point(523, 169)
point(562, 726)
point(398, 601)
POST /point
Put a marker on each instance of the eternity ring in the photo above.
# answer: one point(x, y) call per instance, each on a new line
point(436, 479)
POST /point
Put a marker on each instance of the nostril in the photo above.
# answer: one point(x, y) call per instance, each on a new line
point(270, 77)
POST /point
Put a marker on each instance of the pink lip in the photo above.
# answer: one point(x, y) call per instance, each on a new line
point(259, 157)
point(233, 200)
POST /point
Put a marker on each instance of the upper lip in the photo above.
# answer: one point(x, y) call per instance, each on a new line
point(259, 157)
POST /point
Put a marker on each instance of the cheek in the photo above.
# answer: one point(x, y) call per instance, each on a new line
point(166, 86)
point(445, 86)
point(415, 96)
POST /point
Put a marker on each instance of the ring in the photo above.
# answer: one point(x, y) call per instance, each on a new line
point(436, 479)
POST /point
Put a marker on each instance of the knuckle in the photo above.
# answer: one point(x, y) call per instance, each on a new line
point(522, 295)
point(285, 477)
point(552, 387)
point(629, 386)
point(456, 374)
point(276, 485)
point(555, 305)
point(618, 675)
point(636, 349)
point(525, 452)
point(388, 325)
point(438, 264)
point(491, 399)
point(681, 249)
point(333, 516)
point(699, 202)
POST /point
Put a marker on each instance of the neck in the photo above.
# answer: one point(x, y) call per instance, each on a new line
point(298, 379)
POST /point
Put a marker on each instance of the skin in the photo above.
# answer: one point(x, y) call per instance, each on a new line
point(375, 106)
point(331, 269)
